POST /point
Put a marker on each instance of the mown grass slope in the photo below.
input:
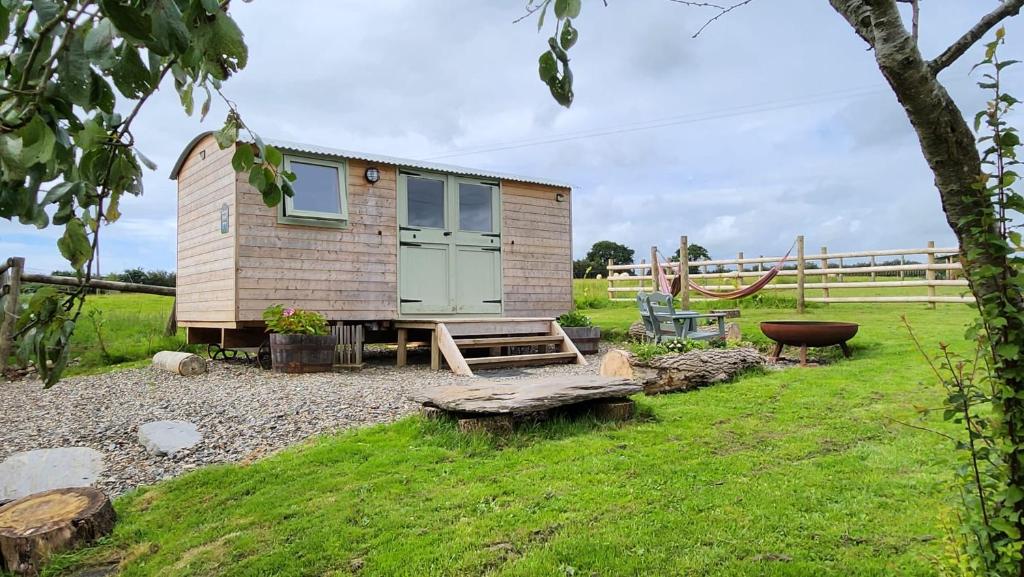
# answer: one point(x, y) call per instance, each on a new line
point(794, 472)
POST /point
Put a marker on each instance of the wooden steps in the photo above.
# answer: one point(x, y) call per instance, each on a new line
point(488, 342)
point(521, 360)
point(504, 342)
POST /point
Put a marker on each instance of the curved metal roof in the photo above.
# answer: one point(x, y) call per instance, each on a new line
point(287, 146)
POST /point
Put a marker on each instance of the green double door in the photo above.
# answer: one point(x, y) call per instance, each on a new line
point(449, 254)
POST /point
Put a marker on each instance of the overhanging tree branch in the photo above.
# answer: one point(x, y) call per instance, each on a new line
point(1006, 9)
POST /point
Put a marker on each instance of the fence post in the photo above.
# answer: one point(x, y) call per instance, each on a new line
point(739, 270)
point(903, 263)
point(16, 265)
point(608, 276)
point(800, 265)
point(654, 258)
point(684, 272)
point(872, 266)
point(929, 275)
point(760, 265)
point(824, 265)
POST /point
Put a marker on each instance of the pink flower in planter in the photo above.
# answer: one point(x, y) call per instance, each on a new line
point(288, 312)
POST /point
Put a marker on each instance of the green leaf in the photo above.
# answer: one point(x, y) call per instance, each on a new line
point(569, 35)
point(113, 213)
point(256, 178)
point(227, 136)
point(271, 194)
point(548, 68)
point(243, 158)
point(272, 156)
point(74, 74)
point(1008, 350)
point(130, 75)
point(5, 22)
point(37, 141)
point(74, 245)
point(1009, 139)
point(102, 94)
point(60, 192)
point(128, 18)
point(91, 134)
point(219, 43)
point(211, 6)
point(47, 10)
point(145, 160)
point(99, 44)
point(169, 32)
point(187, 101)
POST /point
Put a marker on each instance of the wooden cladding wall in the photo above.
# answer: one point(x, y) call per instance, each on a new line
point(206, 256)
point(346, 274)
point(536, 250)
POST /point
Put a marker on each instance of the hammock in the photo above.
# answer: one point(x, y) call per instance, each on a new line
point(676, 286)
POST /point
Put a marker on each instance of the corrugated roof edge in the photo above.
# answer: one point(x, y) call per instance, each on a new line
point(379, 158)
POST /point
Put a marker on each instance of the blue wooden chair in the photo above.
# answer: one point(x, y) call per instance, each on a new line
point(662, 321)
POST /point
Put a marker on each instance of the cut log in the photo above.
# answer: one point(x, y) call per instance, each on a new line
point(35, 527)
point(185, 364)
point(493, 424)
point(681, 371)
point(637, 332)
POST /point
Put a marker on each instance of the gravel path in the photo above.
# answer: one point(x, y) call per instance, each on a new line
point(242, 411)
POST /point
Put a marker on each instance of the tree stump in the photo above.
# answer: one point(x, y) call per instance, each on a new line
point(433, 413)
point(680, 371)
point(637, 332)
point(614, 410)
point(494, 424)
point(35, 527)
point(184, 364)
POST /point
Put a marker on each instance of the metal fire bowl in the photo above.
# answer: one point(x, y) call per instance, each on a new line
point(809, 333)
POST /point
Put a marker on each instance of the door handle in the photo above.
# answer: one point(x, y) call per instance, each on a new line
point(447, 233)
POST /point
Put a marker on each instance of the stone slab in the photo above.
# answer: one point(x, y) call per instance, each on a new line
point(29, 472)
point(523, 396)
point(165, 438)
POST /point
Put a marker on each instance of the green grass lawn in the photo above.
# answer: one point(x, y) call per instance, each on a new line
point(796, 472)
point(132, 329)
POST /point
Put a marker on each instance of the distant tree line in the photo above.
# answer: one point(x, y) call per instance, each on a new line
point(135, 275)
point(596, 261)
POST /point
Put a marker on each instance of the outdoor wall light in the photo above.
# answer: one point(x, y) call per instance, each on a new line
point(559, 197)
point(372, 174)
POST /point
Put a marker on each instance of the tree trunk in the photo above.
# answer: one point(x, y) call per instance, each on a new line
point(680, 372)
point(950, 149)
point(35, 527)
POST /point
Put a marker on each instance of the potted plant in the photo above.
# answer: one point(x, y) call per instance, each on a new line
point(299, 341)
point(580, 330)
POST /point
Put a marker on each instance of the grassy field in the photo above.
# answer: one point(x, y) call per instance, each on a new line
point(131, 328)
point(796, 472)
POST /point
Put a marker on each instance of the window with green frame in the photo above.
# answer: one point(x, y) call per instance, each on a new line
point(320, 191)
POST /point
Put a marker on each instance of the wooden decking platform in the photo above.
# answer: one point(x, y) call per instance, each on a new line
point(495, 405)
point(494, 342)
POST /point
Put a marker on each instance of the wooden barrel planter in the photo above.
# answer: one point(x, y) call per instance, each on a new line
point(302, 353)
point(585, 338)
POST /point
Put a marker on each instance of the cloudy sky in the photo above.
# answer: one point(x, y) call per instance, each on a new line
point(774, 122)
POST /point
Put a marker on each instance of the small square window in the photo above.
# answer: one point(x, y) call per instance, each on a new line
point(319, 190)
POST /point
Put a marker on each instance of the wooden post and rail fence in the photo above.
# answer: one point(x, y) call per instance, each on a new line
point(13, 276)
point(934, 272)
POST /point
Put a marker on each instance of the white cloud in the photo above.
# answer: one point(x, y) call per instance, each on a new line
point(740, 158)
